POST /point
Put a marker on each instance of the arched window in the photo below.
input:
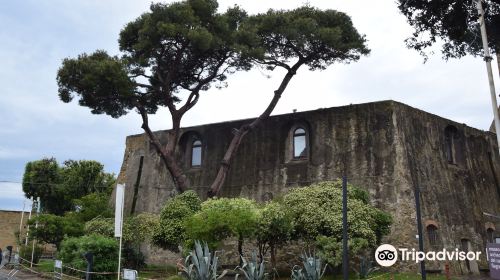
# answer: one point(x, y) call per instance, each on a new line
point(450, 136)
point(196, 153)
point(433, 235)
point(299, 143)
point(489, 235)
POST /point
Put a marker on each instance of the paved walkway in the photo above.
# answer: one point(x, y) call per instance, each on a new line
point(23, 274)
point(27, 275)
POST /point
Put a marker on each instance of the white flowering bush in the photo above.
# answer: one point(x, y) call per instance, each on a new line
point(317, 219)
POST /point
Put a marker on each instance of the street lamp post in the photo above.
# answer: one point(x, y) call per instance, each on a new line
point(487, 59)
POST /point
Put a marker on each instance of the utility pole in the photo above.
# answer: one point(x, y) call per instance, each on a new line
point(487, 59)
point(36, 226)
point(21, 224)
point(28, 226)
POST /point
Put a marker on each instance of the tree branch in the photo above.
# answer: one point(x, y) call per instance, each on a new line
point(272, 61)
point(144, 85)
point(166, 156)
point(244, 129)
point(195, 92)
point(141, 75)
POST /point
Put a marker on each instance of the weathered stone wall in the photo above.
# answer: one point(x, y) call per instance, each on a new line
point(9, 225)
point(388, 148)
point(454, 196)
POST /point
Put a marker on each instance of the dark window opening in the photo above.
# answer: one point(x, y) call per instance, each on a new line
point(490, 235)
point(196, 153)
point(451, 141)
point(433, 235)
point(299, 143)
point(136, 185)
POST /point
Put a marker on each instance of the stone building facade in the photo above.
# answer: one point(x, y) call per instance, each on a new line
point(9, 227)
point(386, 147)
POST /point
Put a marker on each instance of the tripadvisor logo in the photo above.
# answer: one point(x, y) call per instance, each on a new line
point(387, 255)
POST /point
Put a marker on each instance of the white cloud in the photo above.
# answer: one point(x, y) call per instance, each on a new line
point(13, 152)
point(11, 190)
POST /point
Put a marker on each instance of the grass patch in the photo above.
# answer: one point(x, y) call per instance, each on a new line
point(389, 276)
point(45, 265)
point(158, 271)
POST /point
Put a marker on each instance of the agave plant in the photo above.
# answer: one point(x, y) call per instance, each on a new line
point(312, 268)
point(200, 264)
point(253, 270)
point(297, 273)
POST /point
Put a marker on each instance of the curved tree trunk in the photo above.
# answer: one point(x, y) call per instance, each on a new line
point(167, 154)
point(273, 255)
point(217, 184)
point(498, 62)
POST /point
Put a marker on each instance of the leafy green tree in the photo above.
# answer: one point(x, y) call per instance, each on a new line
point(41, 179)
point(52, 229)
point(221, 218)
point(174, 49)
point(274, 229)
point(184, 48)
point(171, 230)
point(91, 206)
point(58, 186)
point(289, 40)
point(81, 186)
point(82, 177)
point(455, 23)
point(105, 250)
point(317, 218)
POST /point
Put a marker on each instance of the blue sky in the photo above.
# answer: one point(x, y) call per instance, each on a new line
point(37, 35)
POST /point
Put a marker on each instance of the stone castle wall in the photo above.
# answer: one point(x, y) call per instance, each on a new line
point(387, 148)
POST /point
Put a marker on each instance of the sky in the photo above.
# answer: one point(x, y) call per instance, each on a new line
point(37, 35)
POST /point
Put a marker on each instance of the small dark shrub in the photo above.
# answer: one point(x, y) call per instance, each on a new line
point(25, 252)
point(133, 258)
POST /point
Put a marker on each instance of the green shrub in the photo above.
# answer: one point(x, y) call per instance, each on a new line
point(25, 252)
point(221, 218)
point(317, 218)
point(100, 226)
point(274, 229)
point(136, 229)
point(52, 228)
point(105, 250)
point(171, 232)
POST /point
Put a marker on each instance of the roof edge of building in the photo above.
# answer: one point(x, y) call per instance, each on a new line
point(390, 101)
